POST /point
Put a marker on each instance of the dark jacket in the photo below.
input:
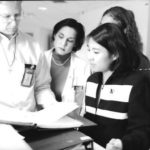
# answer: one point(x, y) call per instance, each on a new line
point(144, 62)
point(121, 108)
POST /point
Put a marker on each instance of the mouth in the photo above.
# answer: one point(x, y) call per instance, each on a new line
point(62, 49)
point(12, 29)
point(92, 64)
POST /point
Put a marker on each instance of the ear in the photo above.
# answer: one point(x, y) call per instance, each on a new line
point(125, 30)
point(115, 57)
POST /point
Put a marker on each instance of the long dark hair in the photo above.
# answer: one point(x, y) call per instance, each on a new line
point(110, 36)
point(126, 20)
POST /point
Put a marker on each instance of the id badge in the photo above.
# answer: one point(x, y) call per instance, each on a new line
point(28, 75)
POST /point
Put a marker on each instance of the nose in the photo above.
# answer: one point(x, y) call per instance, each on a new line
point(64, 42)
point(12, 18)
point(90, 55)
point(13, 22)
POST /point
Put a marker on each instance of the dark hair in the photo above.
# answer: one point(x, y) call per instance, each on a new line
point(78, 27)
point(19, 2)
point(110, 36)
point(126, 20)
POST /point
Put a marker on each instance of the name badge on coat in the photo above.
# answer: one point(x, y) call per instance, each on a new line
point(27, 79)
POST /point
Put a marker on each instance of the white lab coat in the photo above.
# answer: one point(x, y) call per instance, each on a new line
point(12, 93)
point(78, 73)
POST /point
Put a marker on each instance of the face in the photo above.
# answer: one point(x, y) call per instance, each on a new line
point(10, 12)
point(64, 40)
point(99, 57)
point(108, 19)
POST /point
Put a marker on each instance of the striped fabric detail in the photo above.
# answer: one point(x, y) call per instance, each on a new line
point(91, 89)
point(91, 110)
point(107, 113)
point(91, 101)
point(118, 93)
point(112, 105)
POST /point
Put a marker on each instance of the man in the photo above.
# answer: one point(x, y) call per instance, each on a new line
point(24, 80)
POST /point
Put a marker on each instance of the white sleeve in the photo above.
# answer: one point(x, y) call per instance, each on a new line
point(11, 139)
point(43, 93)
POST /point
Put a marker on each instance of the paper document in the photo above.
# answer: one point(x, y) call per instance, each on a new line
point(63, 123)
point(54, 112)
point(43, 118)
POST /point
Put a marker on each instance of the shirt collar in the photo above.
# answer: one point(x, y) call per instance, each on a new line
point(3, 37)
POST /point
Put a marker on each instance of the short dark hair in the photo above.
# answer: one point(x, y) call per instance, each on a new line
point(78, 27)
point(110, 36)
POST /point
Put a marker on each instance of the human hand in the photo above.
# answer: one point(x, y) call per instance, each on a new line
point(114, 144)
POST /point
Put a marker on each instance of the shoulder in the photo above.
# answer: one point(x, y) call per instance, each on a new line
point(95, 77)
point(144, 62)
point(48, 53)
point(28, 42)
point(25, 37)
point(31, 48)
point(137, 78)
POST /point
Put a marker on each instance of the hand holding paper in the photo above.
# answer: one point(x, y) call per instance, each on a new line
point(53, 113)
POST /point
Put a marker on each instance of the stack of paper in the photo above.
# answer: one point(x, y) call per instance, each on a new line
point(52, 117)
point(63, 123)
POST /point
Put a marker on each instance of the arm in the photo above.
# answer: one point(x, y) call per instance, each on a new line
point(138, 132)
point(43, 93)
point(11, 139)
point(87, 74)
point(80, 90)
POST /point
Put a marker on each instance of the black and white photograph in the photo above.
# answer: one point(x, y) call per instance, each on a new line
point(75, 75)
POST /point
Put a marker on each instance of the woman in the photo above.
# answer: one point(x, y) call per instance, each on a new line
point(68, 71)
point(117, 95)
point(126, 20)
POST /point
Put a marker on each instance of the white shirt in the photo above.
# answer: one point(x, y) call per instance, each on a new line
point(14, 54)
point(78, 73)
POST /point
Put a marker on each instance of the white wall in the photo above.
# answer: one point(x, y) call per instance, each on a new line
point(90, 19)
point(140, 8)
point(39, 33)
point(148, 36)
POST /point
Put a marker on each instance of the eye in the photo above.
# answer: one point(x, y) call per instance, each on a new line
point(17, 16)
point(60, 36)
point(7, 16)
point(71, 40)
point(96, 52)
